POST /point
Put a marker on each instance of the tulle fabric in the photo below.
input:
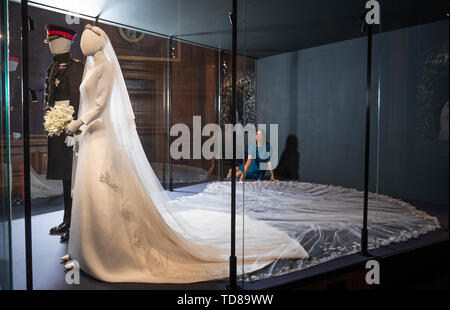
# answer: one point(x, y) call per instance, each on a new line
point(325, 219)
point(43, 188)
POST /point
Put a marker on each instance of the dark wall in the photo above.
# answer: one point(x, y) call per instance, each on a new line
point(414, 89)
point(313, 93)
point(39, 60)
point(318, 94)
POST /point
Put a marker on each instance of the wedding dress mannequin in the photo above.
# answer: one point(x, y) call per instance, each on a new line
point(92, 45)
point(123, 229)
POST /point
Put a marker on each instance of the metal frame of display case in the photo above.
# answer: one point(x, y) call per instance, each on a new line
point(26, 144)
point(169, 109)
point(364, 231)
point(233, 260)
point(4, 122)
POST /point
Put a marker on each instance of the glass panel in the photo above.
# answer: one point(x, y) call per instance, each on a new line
point(5, 198)
point(411, 134)
point(193, 89)
point(311, 96)
point(143, 61)
point(170, 81)
point(245, 115)
point(16, 145)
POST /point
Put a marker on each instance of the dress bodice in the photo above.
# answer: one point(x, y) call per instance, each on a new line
point(95, 91)
point(88, 87)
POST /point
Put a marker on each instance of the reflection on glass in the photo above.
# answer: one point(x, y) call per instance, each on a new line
point(193, 103)
point(412, 130)
point(6, 64)
point(317, 95)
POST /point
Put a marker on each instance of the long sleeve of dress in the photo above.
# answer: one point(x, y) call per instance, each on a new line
point(76, 74)
point(104, 88)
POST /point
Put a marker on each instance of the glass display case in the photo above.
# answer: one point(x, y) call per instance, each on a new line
point(409, 170)
point(298, 139)
point(306, 92)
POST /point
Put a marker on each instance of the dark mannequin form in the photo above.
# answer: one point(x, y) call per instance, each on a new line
point(61, 84)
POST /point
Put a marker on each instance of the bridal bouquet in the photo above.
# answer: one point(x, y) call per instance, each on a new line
point(57, 119)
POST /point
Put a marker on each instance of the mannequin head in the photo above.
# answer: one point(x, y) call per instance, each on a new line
point(59, 46)
point(92, 40)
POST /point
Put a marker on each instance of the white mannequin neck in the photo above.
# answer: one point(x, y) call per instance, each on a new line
point(99, 57)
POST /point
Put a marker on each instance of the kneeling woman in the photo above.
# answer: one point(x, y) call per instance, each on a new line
point(257, 153)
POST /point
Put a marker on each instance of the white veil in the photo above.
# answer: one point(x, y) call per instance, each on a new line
point(195, 236)
point(124, 129)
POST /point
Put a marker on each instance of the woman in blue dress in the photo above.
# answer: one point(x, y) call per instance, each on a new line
point(257, 153)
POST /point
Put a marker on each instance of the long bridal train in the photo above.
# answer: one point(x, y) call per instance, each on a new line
point(123, 228)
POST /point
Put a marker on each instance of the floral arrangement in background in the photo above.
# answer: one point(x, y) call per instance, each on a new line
point(246, 98)
point(433, 76)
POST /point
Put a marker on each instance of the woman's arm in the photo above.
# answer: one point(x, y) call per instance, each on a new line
point(272, 176)
point(211, 168)
point(246, 167)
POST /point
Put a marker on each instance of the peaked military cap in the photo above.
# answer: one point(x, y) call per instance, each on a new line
point(55, 31)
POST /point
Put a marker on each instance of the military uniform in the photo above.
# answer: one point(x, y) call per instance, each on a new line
point(62, 82)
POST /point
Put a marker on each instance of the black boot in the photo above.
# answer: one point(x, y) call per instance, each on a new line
point(60, 229)
point(65, 236)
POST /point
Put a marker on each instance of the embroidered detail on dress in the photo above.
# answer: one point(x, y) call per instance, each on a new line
point(131, 122)
point(105, 179)
point(134, 225)
point(156, 261)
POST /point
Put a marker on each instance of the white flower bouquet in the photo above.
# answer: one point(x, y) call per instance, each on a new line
point(57, 119)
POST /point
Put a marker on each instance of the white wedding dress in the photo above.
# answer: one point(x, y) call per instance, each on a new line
point(123, 228)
